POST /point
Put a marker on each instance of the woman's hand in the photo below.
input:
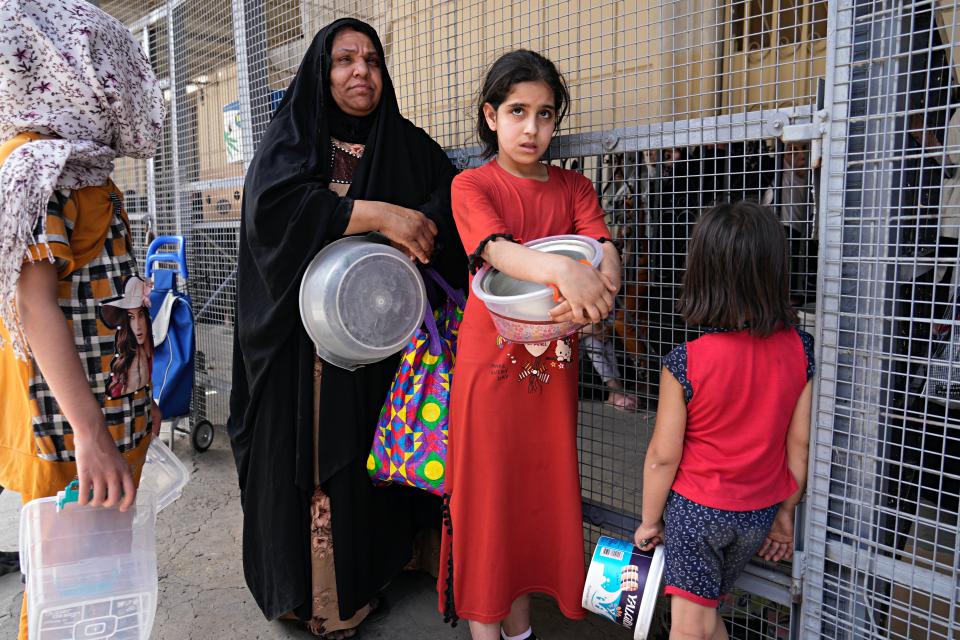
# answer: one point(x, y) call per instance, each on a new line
point(587, 294)
point(647, 536)
point(408, 230)
point(779, 543)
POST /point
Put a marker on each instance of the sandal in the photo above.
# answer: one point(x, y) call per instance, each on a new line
point(378, 610)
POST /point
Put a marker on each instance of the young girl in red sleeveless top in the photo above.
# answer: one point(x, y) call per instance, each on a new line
point(728, 458)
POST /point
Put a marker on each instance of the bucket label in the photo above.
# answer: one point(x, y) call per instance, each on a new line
point(616, 582)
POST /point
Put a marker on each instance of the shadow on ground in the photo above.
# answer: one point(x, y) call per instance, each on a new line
point(202, 594)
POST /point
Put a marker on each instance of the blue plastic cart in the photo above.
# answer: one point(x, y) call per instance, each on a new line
point(174, 335)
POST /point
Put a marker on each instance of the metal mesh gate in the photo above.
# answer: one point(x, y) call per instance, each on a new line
point(882, 540)
point(676, 105)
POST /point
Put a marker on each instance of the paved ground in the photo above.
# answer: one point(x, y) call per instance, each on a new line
point(202, 593)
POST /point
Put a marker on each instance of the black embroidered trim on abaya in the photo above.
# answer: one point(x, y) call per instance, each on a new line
point(449, 610)
point(475, 260)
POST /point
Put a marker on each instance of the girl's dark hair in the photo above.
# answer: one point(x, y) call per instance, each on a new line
point(738, 272)
point(521, 65)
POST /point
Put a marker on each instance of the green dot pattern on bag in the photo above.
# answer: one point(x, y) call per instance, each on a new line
point(432, 411)
point(410, 444)
point(432, 470)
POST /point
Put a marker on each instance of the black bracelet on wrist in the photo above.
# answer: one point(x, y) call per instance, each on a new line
point(617, 244)
point(475, 260)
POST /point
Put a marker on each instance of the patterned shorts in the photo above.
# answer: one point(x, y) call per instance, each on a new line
point(707, 548)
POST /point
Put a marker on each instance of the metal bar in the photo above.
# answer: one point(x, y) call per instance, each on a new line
point(249, 22)
point(218, 225)
point(766, 584)
point(844, 476)
point(151, 163)
point(152, 18)
point(609, 519)
point(177, 92)
point(235, 182)
point(752, 125)
point(830, 206)
point(876, 565)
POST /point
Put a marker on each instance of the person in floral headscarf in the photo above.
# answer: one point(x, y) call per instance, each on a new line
point(76, 91)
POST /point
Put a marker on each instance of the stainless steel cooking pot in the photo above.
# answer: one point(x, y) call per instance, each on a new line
point(360, 301)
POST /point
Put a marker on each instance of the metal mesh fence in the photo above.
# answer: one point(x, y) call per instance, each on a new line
point(883, 511)
point(676, 105)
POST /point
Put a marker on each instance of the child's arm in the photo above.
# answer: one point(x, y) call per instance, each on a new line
point(100, 466)
point(779, 542)
point(588, 291)
point(663, 458)
point(609, 266)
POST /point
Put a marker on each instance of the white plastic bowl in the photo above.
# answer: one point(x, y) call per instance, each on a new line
point(520, 309)
point(360, 301)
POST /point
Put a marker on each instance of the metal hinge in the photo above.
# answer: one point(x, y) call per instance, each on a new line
point(799, 573)
point(813, 132)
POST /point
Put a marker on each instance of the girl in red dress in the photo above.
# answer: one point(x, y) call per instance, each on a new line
point(512, 510)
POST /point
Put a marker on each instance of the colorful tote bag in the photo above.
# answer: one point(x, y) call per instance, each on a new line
point(410, 444)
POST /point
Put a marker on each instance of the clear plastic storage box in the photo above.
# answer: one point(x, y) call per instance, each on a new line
point(91, 572)
point(163, 474)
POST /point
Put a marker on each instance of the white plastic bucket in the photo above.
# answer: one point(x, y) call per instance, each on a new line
point(623, 583)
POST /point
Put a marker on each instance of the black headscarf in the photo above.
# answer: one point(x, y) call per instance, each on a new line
point(289, 214)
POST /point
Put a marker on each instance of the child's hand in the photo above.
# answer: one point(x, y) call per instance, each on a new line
point(779, 543)
point(105, 477)
point(587, 295)
point(647, 536)
point(610, 265)
point(156, 417)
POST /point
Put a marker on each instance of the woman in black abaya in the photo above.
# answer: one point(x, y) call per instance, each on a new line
point(319, 540)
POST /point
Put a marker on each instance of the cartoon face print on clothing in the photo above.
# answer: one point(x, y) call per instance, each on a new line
point(132, 363)
point(537, 349)
point(536, 360)
point(534, 370)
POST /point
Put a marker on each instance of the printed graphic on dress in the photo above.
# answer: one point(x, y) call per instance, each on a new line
point(535, 370)
point(129, 316)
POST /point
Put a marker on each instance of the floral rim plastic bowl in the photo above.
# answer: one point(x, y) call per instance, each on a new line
point(520, 309)
point(529, 332)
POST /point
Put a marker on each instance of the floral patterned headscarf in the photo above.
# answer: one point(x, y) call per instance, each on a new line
point(67, 70)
